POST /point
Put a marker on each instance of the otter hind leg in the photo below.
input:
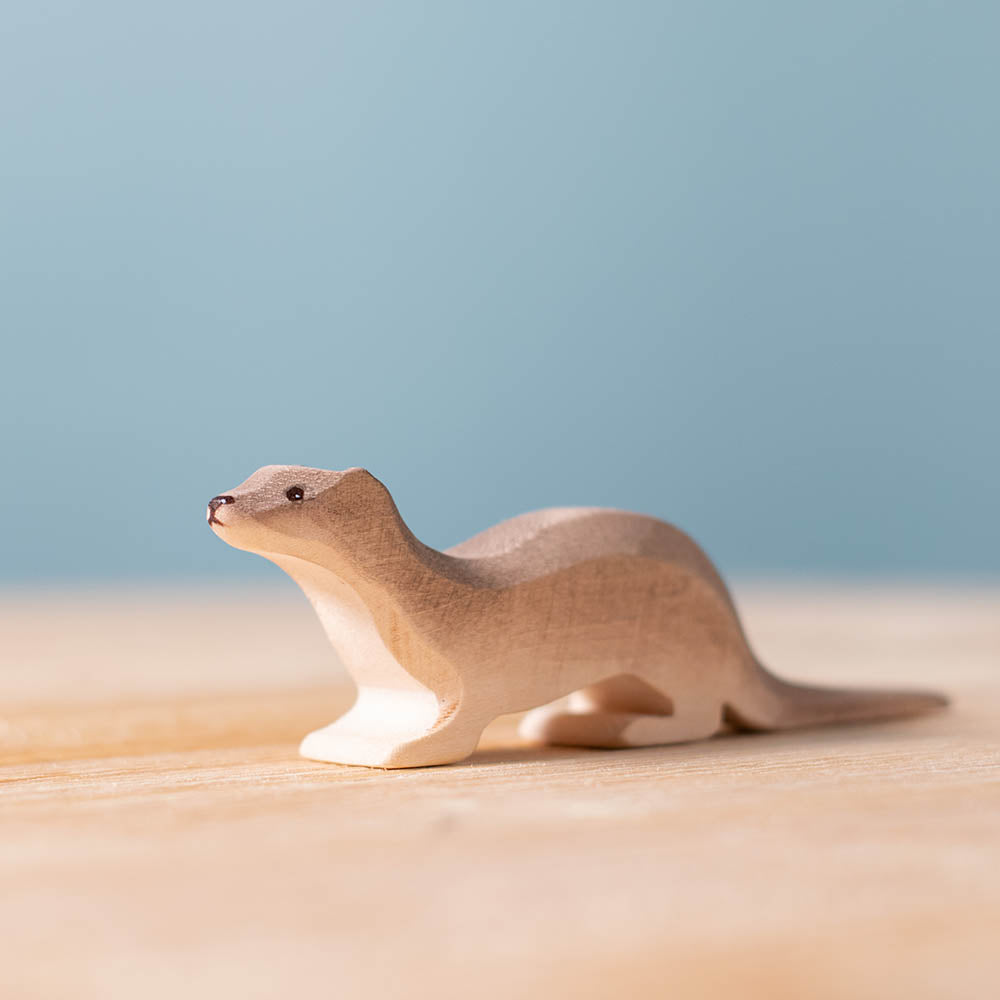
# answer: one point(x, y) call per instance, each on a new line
point(621, 712)
point(622, 693)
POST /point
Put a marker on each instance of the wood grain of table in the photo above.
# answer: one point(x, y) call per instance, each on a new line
point(161, 837)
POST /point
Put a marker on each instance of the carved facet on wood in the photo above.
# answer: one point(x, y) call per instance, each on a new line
point(621, 611)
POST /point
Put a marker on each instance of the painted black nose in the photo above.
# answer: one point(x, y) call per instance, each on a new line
point(216, 502)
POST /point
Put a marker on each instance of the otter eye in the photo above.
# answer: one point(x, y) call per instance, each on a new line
point(294, 493)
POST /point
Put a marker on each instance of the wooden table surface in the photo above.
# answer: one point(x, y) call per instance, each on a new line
point(161, 838)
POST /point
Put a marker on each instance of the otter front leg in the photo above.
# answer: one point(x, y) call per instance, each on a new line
point(390, 728)
point(453, 737)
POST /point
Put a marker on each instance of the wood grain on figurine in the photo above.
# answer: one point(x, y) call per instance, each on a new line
point(620, 611)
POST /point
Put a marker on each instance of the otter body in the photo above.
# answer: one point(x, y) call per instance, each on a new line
point(620, 611)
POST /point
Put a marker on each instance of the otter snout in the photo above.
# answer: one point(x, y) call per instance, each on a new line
point(215, 503)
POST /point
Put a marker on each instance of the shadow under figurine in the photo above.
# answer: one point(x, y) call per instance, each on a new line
point(622, 611)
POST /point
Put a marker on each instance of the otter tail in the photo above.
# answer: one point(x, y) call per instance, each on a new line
point(766, 702)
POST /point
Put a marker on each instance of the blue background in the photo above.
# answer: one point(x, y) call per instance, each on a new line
point(733, 264)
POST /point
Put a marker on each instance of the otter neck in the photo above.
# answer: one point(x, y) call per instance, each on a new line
point(382, 561)
point(368, 597)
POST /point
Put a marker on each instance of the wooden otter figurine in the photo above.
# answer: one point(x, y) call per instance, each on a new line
point(622, 611)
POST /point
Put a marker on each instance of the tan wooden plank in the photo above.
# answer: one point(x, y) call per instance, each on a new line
point(162, 838)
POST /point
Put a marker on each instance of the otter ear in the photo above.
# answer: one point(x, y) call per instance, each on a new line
point(355, 475)
point(361, 480)
point(356, 478)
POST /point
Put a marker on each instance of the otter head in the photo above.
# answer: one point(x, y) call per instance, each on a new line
point(292, 510)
